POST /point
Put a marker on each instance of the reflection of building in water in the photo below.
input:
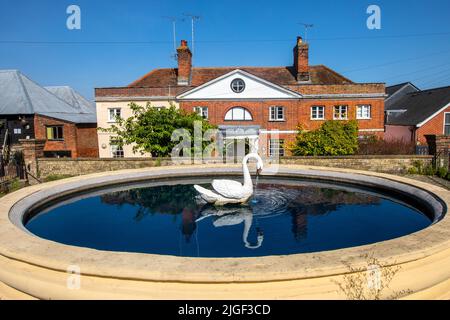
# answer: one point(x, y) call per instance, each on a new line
point(172, 200)
point(188, 225)
point(307, 201)
point(299, 225)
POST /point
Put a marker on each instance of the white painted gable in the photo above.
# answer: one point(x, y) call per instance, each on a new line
point(255, 88)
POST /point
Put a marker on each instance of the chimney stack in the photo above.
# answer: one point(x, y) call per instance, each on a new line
point(184, 64)
point(301, 63)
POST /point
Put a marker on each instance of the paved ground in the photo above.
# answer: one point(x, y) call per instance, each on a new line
point(432, 180)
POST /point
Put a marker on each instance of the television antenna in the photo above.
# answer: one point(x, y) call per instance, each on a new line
point(174, 30)
point(193, 19)
point(307, 26)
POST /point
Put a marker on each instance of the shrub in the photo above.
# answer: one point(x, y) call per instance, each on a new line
point(373, 145)
point(333, 138)
point(429, 170)
point(413, 170)
point(442, 172)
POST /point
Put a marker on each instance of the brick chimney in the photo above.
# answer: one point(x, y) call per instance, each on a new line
point(184, 64)
point(301, 63)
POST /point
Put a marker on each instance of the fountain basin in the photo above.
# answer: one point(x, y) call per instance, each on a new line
point(423, 256)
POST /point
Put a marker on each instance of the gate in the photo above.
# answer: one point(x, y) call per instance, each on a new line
point(11, 170)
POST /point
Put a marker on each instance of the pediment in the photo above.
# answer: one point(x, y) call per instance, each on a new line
point(255, 88)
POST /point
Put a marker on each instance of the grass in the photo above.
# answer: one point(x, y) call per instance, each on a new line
point(14, 185)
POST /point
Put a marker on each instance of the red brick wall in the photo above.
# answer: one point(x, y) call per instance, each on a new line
point(81, 142)
point(296, 112)
point(434, 126)
point(87, 141)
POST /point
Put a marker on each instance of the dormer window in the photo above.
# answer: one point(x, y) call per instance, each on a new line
point(238, 85)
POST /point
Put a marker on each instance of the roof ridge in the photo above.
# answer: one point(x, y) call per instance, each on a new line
point(146, 75)
point(334, 72)
point(19, 76)
point(430, 89)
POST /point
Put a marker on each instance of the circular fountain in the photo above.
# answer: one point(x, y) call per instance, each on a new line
point(146, 234)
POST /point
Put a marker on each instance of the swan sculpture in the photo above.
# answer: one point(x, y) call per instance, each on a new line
point(229, 191)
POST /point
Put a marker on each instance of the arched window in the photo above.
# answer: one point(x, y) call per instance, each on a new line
point(238, 114)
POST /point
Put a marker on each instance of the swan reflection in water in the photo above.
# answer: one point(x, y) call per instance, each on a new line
point(231, 216)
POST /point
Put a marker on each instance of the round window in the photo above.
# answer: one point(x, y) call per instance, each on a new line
point(238, 85)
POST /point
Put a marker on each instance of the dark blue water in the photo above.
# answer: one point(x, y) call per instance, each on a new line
point(282, 218)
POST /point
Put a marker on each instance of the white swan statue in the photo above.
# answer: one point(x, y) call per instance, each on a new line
point(229, 191)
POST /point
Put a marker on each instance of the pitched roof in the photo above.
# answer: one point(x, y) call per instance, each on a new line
point(393, 89)
point(279, 75)
point(416, 107)
point(73, 98)
point(20, 95)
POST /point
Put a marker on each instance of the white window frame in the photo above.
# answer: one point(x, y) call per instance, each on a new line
point(245, 112)
point(317, 112)
point(119, 113)
point(446, 124)
point(277, 144)
point(340, 112)
point(359, 114)
point(17, 131)
point(276, 109)
point(202, 111)
point(115, 148)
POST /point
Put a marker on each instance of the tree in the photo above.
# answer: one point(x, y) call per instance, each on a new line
point(149, 129)
point(333, 138)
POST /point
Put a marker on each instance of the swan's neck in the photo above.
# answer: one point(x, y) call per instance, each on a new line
point(247, 178)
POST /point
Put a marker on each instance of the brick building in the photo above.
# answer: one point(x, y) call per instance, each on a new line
point(411, 113)
point(261, 105)
point(58, 115)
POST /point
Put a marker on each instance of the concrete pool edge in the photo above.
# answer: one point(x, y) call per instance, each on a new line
point(143, 275)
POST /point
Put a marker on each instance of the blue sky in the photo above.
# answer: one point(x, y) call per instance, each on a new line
point(413, 43)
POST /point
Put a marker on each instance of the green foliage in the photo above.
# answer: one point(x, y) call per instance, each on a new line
point(149, 129)
point(11, 186)
point(442, 172)
point(55, 177)
point(333, 138)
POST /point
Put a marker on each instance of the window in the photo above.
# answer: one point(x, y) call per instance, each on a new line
point(17, 131)
point(363, 112)
point(276, 147)
point(239, 114)
point(55, 133)
point(447, 124)
point(317, 112)
point(117, 149)
point(238, 85)
point(276, 114)
point(113, 113)
point(202, 111)
point(340, 113)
